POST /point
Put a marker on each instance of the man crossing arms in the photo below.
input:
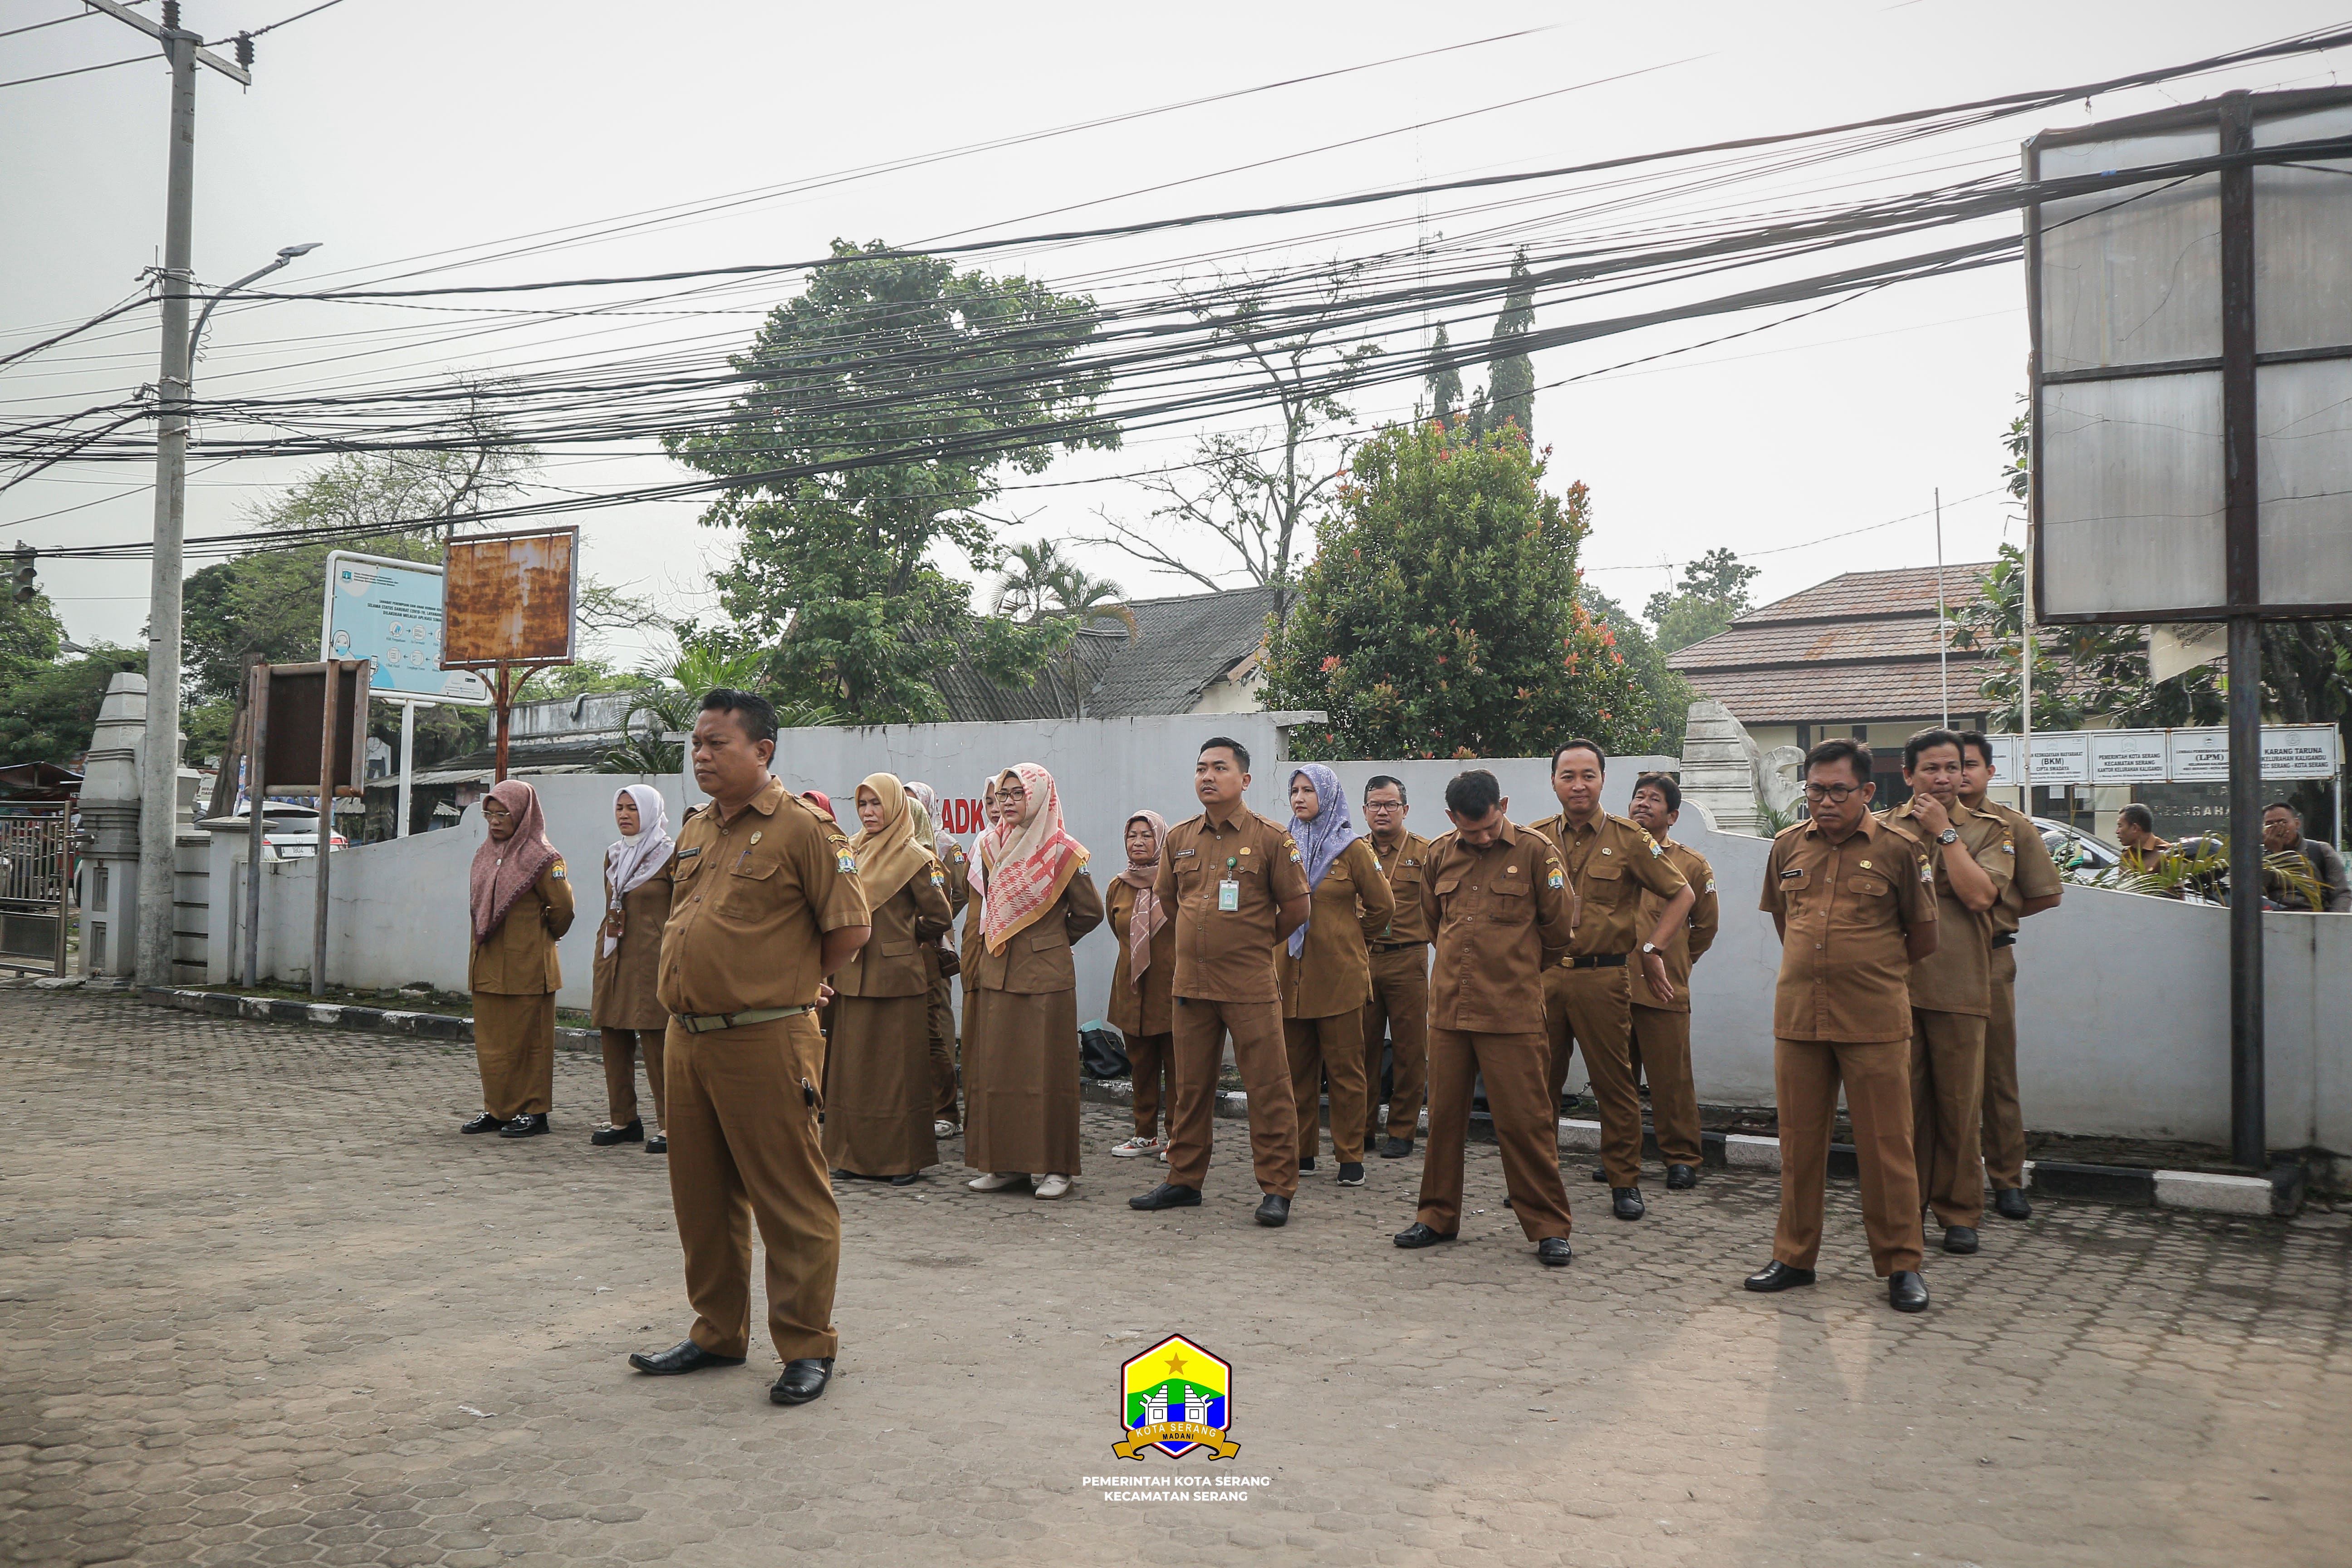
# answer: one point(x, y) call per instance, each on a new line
point(1662, 1030)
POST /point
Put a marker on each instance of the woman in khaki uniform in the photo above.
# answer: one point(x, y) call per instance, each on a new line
point(1325, 969)
point(622, 1004)
point(1021, 1001)
point(947, 1113)
point(1143, 981)
point(521, 904)
point(877, 1066)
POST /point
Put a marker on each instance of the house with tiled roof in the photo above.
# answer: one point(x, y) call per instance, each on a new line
point(1196, 653)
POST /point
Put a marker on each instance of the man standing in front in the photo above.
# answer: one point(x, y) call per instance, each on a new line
point(1589, 995)
point(1237, 886)
point(767, 904)
point(1951, 989)
point(1661, 1029)
point(2033, 887)
point(1400, 1004)
point(1497, 898)
point(2283, 834)
point(1854, 898)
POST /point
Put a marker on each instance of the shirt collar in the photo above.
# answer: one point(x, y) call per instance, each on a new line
point(1241, 812)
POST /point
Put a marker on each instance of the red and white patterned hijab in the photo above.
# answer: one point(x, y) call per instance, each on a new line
point(1026, 866)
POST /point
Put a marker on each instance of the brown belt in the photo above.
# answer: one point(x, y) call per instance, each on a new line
point(704, 1023)
point(1396, 946)
point(1595, 960)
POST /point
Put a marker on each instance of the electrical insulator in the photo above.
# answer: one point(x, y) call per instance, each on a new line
point(245, 50)
point(171, 16)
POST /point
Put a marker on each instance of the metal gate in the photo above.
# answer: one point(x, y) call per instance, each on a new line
point(33, 888)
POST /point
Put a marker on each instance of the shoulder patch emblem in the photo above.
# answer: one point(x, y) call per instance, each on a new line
point(846, 862)
point(2008, 845)
point(1296, 859)
point(939, 878)
point(1926, 873)
point(1552, 877)
point(557, 872)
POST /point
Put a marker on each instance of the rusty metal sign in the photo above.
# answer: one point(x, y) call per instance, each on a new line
point(511, 598)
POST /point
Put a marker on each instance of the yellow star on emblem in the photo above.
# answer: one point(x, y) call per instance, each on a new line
point(1175, 1364)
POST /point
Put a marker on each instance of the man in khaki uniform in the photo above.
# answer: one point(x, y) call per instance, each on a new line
point(1400, 1004)
point(1854, 898)
point(2033, 886)
point(1587, 996)
point(1500, 904)
point(768, 903)
point(1951, 989)
point(1662, 1030)
point(1237, 886)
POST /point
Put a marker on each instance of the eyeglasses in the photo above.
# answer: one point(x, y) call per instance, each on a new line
point(1839, 793)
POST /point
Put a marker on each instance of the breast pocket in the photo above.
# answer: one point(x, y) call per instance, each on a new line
point(1605, 880)
point(1794, 886)
point(1508, 897)
point(746, 885)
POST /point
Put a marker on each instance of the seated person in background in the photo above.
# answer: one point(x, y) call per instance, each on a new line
point(2144, 852)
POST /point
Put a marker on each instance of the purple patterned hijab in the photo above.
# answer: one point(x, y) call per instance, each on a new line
point(1323, 840)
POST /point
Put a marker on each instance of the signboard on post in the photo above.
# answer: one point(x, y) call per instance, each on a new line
point(2060, 758)
point(389, 612)
point(309, 737)
point(513, 610)
point(2126, 756)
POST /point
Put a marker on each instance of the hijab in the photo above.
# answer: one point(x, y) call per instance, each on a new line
point(819, 799)
point(501, 873)
point(635, 858)
point(925, 809)
point(888, 858)
point(1323, 840)
point(1143, 876)
point(1030, 863)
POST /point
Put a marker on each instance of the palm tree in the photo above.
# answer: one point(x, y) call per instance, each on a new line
point(673, 695)
point(1085, 600)
point(1026, 589)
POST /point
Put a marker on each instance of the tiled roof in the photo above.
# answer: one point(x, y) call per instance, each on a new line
point(1182, 645)
point(1849, 693)
point(1908, 590)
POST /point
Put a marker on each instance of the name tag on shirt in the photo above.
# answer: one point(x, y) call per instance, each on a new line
point(1229, 895)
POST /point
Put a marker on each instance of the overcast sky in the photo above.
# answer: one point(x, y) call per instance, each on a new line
point(390, 131)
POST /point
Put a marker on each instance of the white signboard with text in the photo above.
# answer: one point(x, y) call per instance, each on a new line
point(390, 611)
point(2118, 758)
point(2127, 756)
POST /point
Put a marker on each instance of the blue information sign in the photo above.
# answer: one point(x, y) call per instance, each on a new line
point(390, 611)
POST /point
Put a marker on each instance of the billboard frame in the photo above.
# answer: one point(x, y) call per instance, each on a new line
point(504, 682)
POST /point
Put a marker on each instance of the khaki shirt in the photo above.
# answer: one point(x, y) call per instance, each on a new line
point(1037, 959)
point(754, 898)
point(891, 964)
point(1610, 861)
point(518, 958)
point(1692, 938)
point(1333, 971)
point(2033, 874)
point(1403, 866)
point(1147, 1009)
point(1227, 955)
point(623, 982)
point(1845, 973)
point(1499, 912)
point(1958, 976)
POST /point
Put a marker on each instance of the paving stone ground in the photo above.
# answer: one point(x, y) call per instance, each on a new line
point(260, 1304)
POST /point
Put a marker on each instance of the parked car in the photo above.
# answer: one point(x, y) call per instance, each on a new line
point(291, 833)
point(2070, 847)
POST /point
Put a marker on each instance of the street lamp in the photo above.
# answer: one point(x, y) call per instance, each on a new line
point(196, 338)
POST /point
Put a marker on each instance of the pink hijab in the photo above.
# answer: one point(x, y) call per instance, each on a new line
point(502, 872)
point(1143, 876)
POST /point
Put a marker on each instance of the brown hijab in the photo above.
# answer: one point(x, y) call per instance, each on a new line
point(502, 872)
point(890, 857)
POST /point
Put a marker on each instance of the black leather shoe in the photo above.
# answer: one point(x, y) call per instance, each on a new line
point(485, 1123)
point(908, 1180)
point(1777, 1276)
point(1418, 1234)
point(1960, 1238)
point(1395, 1148)
point(1352, 1174)
point(605, 1137)
point(1167, 1195)
point(1307, 1163)
point(531, 1124)
point(2010, 1203)
point(1600, 1172)
point(1552, 1252)
point(658, 1144)
point(802, 1380)
point(1274, 1209)
point(683, 1356)
point(1681, 1178)
point(1625, 1203)
point(1905, 1291)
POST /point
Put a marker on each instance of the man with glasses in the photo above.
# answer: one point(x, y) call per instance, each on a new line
point(1400, 1004)
point(1854, 898)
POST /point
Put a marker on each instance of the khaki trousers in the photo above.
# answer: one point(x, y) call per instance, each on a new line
point(1151, 1059)
point(1332, 1045)
point(1662, 1049)
point(1526, 1128)
point(514, 1048)
point(1256, 1029)
point(943, 1051)
point(1398, 1008)
point(2003, 1143)
point(1948, 1052)
point(1805, 1078)
point(744, 1149)
point(621, 1074)
point(1593, 1009)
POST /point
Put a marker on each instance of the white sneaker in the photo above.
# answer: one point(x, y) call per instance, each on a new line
point(944, 1130)
point(997, 1181)
point(1051, 1186)
point(1136, 1145)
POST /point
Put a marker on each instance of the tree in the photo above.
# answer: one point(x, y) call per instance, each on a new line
point(1440, 616)
point(668, 700)
point(50, 714)
point(1510, 373)
point(935, 382)
point(1445, 379)
point(1670, 695)
point(1711, 595)
point(30, 638)
point(1047, 587)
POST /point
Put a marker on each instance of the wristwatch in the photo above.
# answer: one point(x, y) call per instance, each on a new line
point(1949, 835)
point(1651, 947)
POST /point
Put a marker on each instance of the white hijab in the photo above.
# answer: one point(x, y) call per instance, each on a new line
point(634, 858)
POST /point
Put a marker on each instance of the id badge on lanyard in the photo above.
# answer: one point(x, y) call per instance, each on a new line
point(1228, 891)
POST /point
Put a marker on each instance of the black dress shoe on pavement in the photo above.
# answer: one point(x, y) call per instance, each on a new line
point(485, 1123)
point(1777, 1276)
point(1418, 1234)
point(1352, 1174)
point(531, 1124)
point(1960, 1238)
point(605, 1137)
point(1274, 1209)
point(1681, 1178)
point(2010, 1203)
point(1552, 1252)
point(683, 1356)
point(1395, 1148)
point(658, 1144)
point(802, 1380)
point(1625, 1203)
point(1905, 1291)
point(909, 1180)
point(1600, 1172)
point(1167, 1195)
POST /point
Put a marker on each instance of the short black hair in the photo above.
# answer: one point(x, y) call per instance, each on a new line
point(1927, 740)
point(1473, 794)
point(753, 712)
point(2282, 805)
point(1382, 780)
point(1840, 749)
point(1975, 738)
point(2138, 815)
point(1665, 785)
point(1240, 751)
point(1565, 747)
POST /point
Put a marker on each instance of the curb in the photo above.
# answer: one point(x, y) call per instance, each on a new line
point(442, 1027)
